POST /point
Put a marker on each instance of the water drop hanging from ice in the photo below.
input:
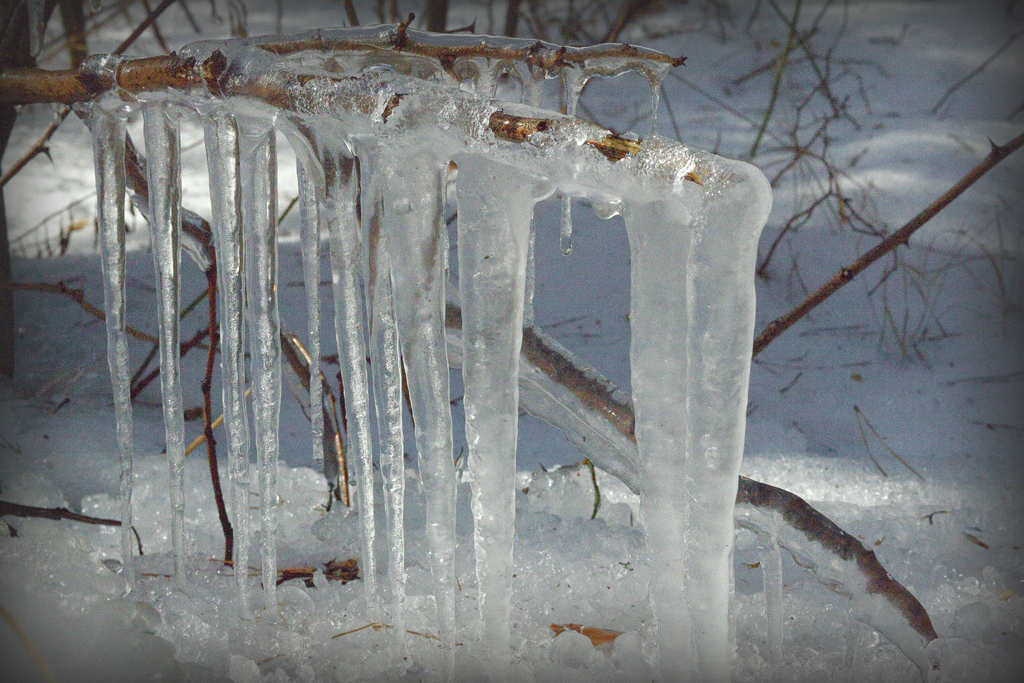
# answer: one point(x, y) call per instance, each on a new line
point(565, 229)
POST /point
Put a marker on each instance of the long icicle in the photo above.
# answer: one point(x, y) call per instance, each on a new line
point(419, 246)
point(259, 202)
point(222, 156)
point(342, 184)
point(309, 236)
point(163, 150)
point(495, 204)
point(385, 366)
point(108, 135)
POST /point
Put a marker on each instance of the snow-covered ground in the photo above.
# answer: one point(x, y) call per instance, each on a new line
point(925, 364)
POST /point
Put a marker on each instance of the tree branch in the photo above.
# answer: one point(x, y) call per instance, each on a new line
point(901, 236)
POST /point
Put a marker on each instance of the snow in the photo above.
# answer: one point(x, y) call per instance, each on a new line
point(948, 408)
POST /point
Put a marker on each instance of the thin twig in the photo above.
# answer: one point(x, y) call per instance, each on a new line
point(778, 79)
point(211, 443)
point(981, 67)
point(861, 415)
point(901, 236)
point(78, 296)
point(40, 147)
point(40, 663)
point(19, 510)
point(150, 18)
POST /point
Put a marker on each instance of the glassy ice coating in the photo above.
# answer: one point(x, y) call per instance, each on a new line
point(376, 129)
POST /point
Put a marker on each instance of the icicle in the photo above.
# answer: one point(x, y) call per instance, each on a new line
point(36, 26)
point(164, 164)
point(654, 74)
point(222, 156)
point(108, 134)
point(692, 317)
point(531, 275)
point(349, 323)
point(309, 231)
point(573, 81)
point(771, 566)
point(565, 230)
point(385, 366)
point(417, 238)
point(495, 203)
point(259, 211)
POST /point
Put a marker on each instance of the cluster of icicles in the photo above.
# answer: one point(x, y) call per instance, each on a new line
point(379, 129)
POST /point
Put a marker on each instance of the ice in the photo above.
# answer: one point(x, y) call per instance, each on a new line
point(771, 563)
point(223, 161)
point(164, 165)
point(342, 187)
point(108, 134)
point(309, 227)
point(259, 213)
point(385, 366)
point(36, 26)
point(417, 239)
point(495, 204)
point(692, 318)
point(379, 141)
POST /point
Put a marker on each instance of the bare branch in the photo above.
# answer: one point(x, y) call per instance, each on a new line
point(901, 236)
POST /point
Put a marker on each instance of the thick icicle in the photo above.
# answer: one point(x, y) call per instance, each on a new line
point(309, 232)
point(163, 151)
point(385, 366)
point(417, 238)
point(692, 317)
point(108, 135)
point(495, 204)
point(342, 184)
point(259, 211)
point(222, 156)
